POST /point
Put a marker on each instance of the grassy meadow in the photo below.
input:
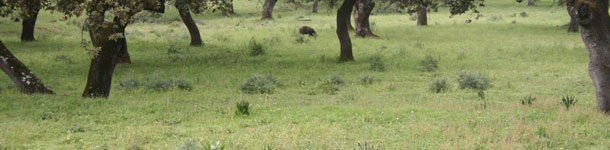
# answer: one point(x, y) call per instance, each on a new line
point(520, 57)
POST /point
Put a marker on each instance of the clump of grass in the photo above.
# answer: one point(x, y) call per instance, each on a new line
point(159, 84)
point(216, 146)
point(329, 86)
point(523, 14)
point(190, 144)
point(64, 58)
point(439, 85)
point(183, 84)
point(428, 64)
point(368, 79)
point(367, 146)
point(130, 83)
point(473, 81)
point(528, 100)
point(337, 79)
point(256, 48)
point(568, 101)
point(243, 108)
point(173, 49)
point(377, 64)
point(259, 84)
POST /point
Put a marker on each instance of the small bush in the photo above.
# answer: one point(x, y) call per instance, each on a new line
point(528, 100)
point(160, 85)
point(183, 84)
point(368, 79)
point(568, 101)
point(377, 64)
point(190, 145)
point(216, 146)
point(130, 83)
point(439, 85)
point(63, 58)
point(337, 79)
point(256, 49)
point(367, 146)
point(428, 64)
point(243, 108)
point(259, 84)
point(523, 14)
point(473, 81)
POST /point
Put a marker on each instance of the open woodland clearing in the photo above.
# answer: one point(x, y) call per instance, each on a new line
point(519, 56)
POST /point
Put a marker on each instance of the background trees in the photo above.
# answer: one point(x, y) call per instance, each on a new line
point(26, 11)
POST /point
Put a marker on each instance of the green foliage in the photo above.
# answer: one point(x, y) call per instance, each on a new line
point(216, 146)
point(428, 64)
point(367, 146)
point(439, 85)
point(243, 108)
point(259, 84)
point(190, 144)
point(329, 86)
point(457, 7)
point(158, 84)
point(528, 100)
point(368, 79)
point(568, 101)
point(256, 48)
point(473, 81)
point(183, 84)
point(377, 64)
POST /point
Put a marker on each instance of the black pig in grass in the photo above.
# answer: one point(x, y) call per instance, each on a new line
point(307, 30)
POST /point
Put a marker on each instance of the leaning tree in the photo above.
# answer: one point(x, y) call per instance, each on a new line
point(106, 20)
point(592, 15)
point(198, 6)
point(26, 11)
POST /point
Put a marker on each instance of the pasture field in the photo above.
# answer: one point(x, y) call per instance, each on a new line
point(520, 56)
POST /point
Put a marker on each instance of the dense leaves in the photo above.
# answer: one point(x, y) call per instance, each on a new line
point(461, 6)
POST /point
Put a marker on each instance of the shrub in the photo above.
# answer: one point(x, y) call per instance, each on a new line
point(183, 84)
point(368, 79)
point(259, 84)
point(256, 49)
point(428, 64)
point(130, 83)
point(473, 81)
point(568, 101)
point(190, 145)
point(439, 85)
point(367, 146)
point(337, 79)
point(160, 84)
point(243, 108)
point(377, 64)
point(523, 14)
point(216, 146)
point(528, 100)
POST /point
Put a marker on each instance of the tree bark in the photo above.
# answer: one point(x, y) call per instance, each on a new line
point(422, 16)
point(315, 6)
point(185, 14)
point(593, 17)
point(20, 74)
point(343, 15)
point(573, 25)
point(268, 9)
point(361, 18)
point(28, 20)
point(104, 62)
point(227, 8)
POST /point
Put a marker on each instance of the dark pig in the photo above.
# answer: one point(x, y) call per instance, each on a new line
point(307, 30)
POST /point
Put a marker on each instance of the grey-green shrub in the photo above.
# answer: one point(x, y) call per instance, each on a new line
point(368, 79)
point(130, 83)
point(190, 144)
point(439, 85)
point(377, 64)
point(183, 84)
point(159, 84)
point(473, 81)
point(256, 49)
point(259, 84)
point(428, 64)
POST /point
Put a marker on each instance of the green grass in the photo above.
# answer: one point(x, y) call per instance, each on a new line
point(534, 56)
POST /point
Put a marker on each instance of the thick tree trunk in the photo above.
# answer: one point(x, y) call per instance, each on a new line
point(20, 74)
point(422, 16)
point(361, 18)
point(343, 15)
point(349, 23)
point(315, 6)
point(573, 25)
point(103, 64)
point(28, 20)
point(268, 9)
point(185, 14)
point(28, 24)
point(227, 8)
point(595, 31)
point(531, 2)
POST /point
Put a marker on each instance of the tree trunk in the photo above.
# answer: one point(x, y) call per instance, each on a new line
point(361, 18)
point(315, 6)
point(531, 2)
point(595, 31)
point(104, 62)
point(268, 9)
point(573, 25)
point(28, 21)
point(227, 8)
point(343, 15)
point(20, 74)
point(349, 23)
point(185, 14)
point(422, 16)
